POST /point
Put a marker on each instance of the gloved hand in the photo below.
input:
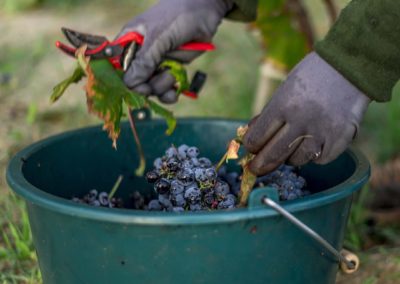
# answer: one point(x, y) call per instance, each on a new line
point(313, 116)
point(165, 27)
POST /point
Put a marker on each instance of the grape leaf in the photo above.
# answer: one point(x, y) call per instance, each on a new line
point(179, 72)
point(60, 88)
point(106, 93)
point(166, 114)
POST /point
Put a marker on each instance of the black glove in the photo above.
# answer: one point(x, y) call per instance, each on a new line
point(165, 27)
point(313, 116)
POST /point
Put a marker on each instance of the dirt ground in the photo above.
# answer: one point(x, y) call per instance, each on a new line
point(30, 66)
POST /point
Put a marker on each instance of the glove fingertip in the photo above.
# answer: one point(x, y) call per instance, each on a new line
point(170, 97)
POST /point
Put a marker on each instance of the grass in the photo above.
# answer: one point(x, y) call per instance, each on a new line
point(18, 263)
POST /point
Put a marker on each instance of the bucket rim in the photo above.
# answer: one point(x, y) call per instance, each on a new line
point(35, 196)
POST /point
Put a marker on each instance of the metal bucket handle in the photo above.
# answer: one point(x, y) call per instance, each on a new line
point(349, 262)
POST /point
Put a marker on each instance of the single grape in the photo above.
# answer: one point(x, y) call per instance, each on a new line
point(177, 187)
point(193, 195)
point(158, 163)
point(204, 162)
point(165, 201)
point(154, 205)
point(172, 165)
point(171, 152)
point(178, 209)
point(138, 200)
point(103, 199)
point(152, 176)
point(192, 152)
point(195, 162)
point(95, 203)
point(92, 196)
point(195, 207)
point(178, 200)
point(162, 186)
point(185, 176)
point(200, 175)
point(221, 188)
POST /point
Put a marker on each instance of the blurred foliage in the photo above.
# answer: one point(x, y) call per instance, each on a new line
point(18, 5)
point(286, 44)
point(382, 127)
point(16, 244)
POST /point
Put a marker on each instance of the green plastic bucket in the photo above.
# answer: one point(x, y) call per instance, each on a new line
point(81, 244)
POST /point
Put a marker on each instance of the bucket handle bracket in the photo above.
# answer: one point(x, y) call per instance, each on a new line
point(269, 196)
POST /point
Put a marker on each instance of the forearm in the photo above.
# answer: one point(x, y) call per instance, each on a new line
point(364, 46)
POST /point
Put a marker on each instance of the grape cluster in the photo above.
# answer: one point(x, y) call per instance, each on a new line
point(285, 179)
point(184, 181)
point(94, 198)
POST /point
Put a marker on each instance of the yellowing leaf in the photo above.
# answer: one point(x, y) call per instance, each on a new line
point(233, 149)
point(241, 131)
point(248, 180)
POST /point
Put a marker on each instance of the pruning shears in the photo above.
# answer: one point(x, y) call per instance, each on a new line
point(122, 51)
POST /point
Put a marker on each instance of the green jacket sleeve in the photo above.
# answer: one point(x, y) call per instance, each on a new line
point(364, 46)
point(244, 10)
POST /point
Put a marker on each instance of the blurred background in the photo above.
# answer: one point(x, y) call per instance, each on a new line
point(249, 63)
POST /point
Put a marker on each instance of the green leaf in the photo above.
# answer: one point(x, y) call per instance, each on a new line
point(166, 114)
point(179, 72)
point(60, 88)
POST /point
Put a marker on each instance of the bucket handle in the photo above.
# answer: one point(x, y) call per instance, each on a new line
point(349, 262)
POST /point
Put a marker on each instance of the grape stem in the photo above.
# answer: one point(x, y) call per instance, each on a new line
point(142, 164)
point(115, 187)
point(221, 162)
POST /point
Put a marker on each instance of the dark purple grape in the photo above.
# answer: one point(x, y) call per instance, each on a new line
point(152, 176)
point(178, 200)
point(162, 186)
point(221, 188)
point(186, 176)
point(172, 165)
point(195, 162)
point(228, 202)
point(158, 163)
point(76, 199)
point(192, 152)
point(165, 201)
point(209, 198)
point(177, 187)
point(138, 200)
point(204, 162)
point(195, 207)
point(103, 199)
point(171, 152)
point(154, 205)
point(92, 196)
point(193, 195)
point(95, 203)
point(178, 209)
